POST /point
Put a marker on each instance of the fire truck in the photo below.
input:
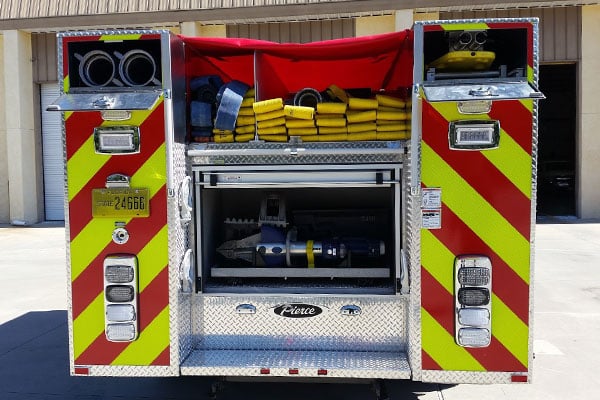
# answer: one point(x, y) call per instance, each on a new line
point(358, 208)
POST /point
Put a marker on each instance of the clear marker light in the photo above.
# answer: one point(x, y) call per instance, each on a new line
point(120, 332)
point(474, 337)
point(120, 312)
point(474, 276)
point(474, 316)
point(119, 274)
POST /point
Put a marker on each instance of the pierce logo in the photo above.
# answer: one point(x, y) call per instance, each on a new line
point(297, 310)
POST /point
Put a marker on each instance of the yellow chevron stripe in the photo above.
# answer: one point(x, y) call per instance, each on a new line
point(437, 260)
point(440, 346)
point(510, 159)
point(96, 235)
point(118, 38)
point(83, 165)
point(477, 213)
point(153, 257)
point(66, 84)
point(464, 27)
point(151, 342)
point(88, 325)
point(529, 73)
point(510, 330)
point(528, 104)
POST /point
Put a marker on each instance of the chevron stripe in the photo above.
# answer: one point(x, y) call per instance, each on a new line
point(88, 326)
point(477, 213)
point(465, 27)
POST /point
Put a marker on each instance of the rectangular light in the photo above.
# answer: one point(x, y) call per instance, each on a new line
point(119, 293)
point(474, 316)
point(120, 312)
point(120, 332)
point(473, 276)
point(117, 139)
point(474, 135)
point(474, 337)
point(119, 274)
point(473, 296)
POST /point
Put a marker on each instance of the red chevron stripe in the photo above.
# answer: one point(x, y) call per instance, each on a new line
point(151, 302)
point(492, 185)
point(90, 283)
point(507, 285)
point(441, 307)
point(151, 137)
point(516, 121)
point(79, 127)
point(164, 358)
point(428, 363)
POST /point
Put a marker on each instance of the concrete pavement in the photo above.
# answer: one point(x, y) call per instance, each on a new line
point(34, 343)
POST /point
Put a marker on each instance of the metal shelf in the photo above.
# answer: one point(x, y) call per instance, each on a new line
point(300, 272)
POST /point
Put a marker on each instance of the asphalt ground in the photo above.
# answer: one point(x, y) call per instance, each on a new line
point(34, 361)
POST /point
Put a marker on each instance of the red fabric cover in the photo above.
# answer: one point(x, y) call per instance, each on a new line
point(281, 69)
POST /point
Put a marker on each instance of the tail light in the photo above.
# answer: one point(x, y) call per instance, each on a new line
point(473, 303)
point(120, 297)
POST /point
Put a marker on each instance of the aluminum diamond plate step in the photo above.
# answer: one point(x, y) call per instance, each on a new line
point(386, 365)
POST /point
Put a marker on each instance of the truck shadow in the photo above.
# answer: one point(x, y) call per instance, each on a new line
point(34, 365)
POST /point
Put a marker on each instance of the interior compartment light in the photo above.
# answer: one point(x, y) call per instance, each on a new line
point(473, 276)
point(473, 296)
point(120, 293)
point(474, 337)
point(474, 316)
point(120, 312)
point(117, 139)
point(119, 274)
point(120, 332)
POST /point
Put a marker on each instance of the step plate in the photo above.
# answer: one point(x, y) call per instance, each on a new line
point(385, 365)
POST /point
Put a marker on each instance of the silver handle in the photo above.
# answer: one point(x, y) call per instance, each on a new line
point(245, 309)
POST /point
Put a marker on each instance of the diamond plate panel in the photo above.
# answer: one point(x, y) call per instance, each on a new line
point(351, 364)
point(466, 377)
point(379, 327)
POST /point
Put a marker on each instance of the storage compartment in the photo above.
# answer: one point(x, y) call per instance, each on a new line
point(331, 231)
point(484, 52)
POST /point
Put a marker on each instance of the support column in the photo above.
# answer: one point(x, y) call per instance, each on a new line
point(588, 143)
point(23, 143)
point(4, 198)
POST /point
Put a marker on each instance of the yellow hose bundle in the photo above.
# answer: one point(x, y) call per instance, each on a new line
point(273, 130)
point(392, 109)
point(243, 120)
point(250, 93)
point(274, 138)
point(269, 115)
point(392, 116)
point(299, 112)
point(326, 130)
point(389, 101)
point(335, 92)
point(221, 132)
point(299, 123)
point(302, 131)
point(244, 138)
point(372, 135)
point(364, 127)
point(272, 122)
point(265, 106)
point(331, 108)
point(245, 129)
point(247, 102)
point(311, 138)
point(224, 138)
point(362, 104)
point(331, 122)
point(393, 135)
point(393, 127)
point(246, 111)
point(361, 116)
point(333, 138)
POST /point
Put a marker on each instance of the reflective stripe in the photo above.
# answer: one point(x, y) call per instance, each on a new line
point(510, 330)
point(88, 326)
point(116, 38)
point(463, 27)
point(434, 254)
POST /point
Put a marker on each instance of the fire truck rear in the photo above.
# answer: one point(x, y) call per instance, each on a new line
point(354, 208)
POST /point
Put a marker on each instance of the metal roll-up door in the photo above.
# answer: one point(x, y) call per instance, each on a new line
point(52, 153)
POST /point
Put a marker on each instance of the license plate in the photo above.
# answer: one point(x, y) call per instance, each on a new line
point(121, 202)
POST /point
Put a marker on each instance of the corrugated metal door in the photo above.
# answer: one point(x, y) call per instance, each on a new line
point(52, 153)
point(295, 32)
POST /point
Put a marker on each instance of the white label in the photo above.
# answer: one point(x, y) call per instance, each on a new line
point(432, 198)
point(431, 219)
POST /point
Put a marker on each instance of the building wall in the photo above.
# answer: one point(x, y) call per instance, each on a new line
point(588, 198)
